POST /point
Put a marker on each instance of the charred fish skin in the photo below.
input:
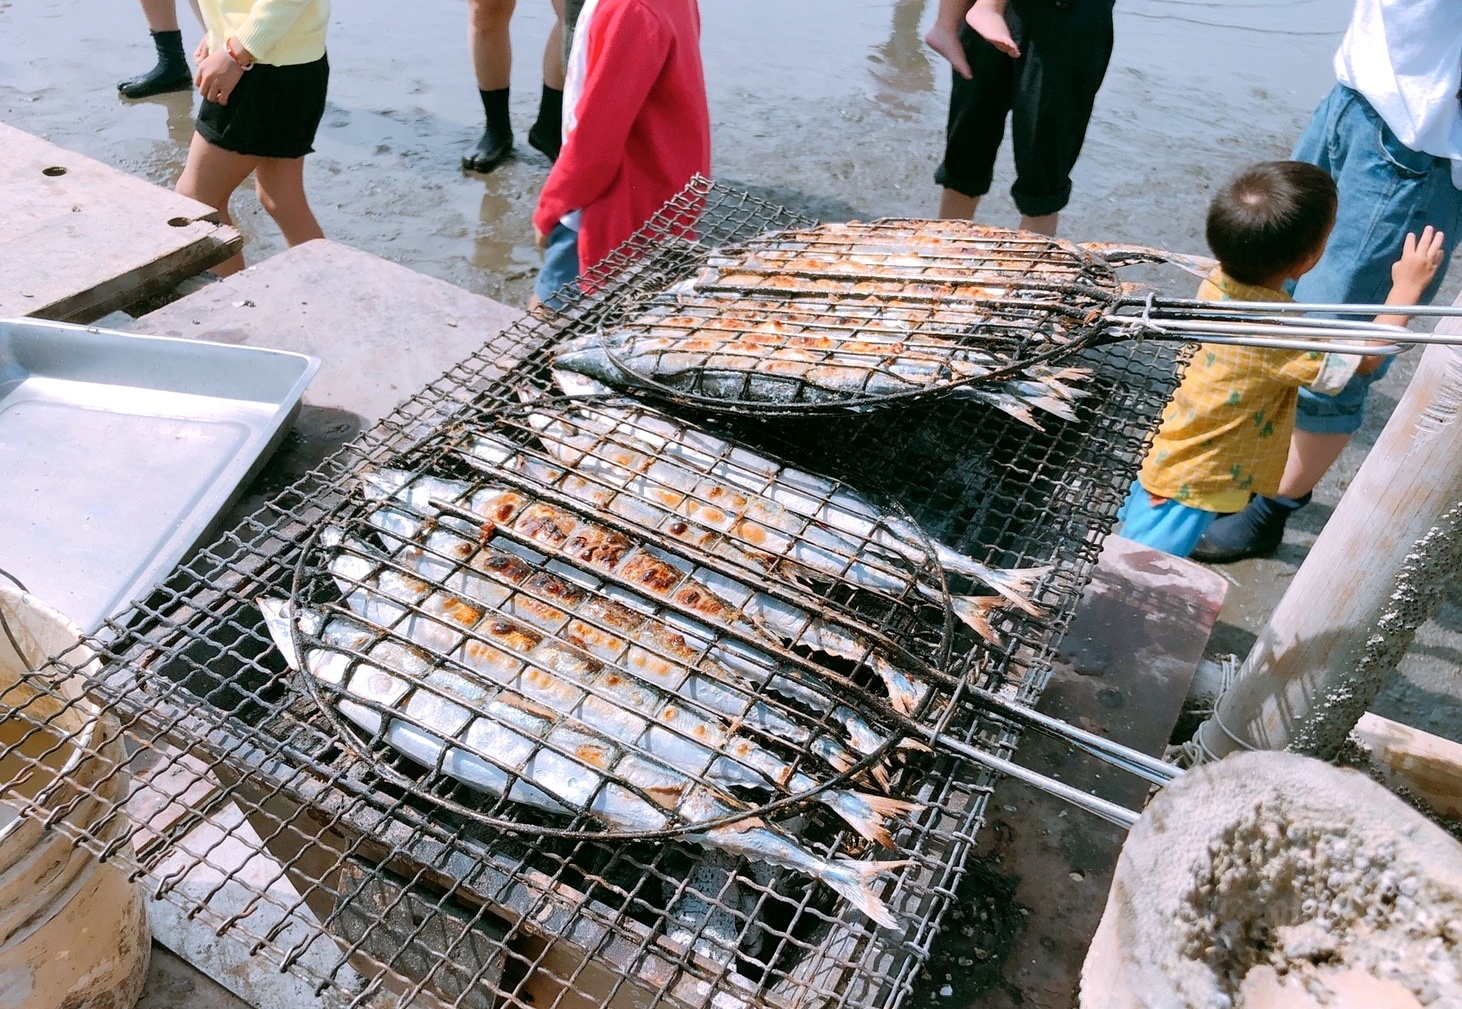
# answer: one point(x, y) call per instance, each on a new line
point(716, 598)
point(556, 768)
point(692, 471)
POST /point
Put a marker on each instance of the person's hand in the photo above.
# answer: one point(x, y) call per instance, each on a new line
point(200, 54)
point(1420, 260)
point(540, 239)
point(217, 77)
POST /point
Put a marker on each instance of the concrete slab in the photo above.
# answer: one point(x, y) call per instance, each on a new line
point(1027, 908)
point(83, 238)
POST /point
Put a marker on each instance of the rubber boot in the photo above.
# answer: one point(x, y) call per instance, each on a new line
point(1254, 532)
point(546, 134)
point(497, 134)
point(170, 74)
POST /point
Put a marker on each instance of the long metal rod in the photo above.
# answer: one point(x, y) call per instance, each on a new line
point(1097, 806)
point(1122, 757)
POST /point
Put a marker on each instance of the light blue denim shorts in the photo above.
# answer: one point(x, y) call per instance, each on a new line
point(1386, 191)
point(1171, 527)
point(560, 265)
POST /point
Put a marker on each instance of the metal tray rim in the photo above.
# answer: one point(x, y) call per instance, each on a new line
point(264, 435)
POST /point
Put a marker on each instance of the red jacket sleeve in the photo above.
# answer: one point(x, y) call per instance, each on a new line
point(627, 50)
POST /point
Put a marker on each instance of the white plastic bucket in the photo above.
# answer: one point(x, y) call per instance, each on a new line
point(73, 931)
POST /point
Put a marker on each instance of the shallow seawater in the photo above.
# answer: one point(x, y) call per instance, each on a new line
point(836, 109)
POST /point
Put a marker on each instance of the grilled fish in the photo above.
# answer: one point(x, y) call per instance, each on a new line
point(730, 499)
point(709, 596)
point(475, 729)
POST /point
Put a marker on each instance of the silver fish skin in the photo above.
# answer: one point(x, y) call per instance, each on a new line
point(704, 479)
point(549, 765)
point(726, 604)
point(617, 698)
point(877, 368)
point(733, 669)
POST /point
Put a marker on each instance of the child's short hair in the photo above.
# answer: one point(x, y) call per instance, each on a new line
point(1270, 217)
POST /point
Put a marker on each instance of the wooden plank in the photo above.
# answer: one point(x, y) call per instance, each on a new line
point(1427, 766)
point(82, 239)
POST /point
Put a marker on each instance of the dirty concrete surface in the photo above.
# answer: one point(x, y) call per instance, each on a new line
point(834, 109)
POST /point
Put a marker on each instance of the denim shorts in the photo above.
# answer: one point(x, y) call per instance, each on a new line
point(1386, 191)
point(560, 266)
point(1171, 527)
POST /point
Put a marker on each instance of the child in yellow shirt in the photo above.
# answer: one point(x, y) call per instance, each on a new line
point(1225, 435)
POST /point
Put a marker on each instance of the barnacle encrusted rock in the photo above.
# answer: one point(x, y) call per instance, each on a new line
point(1270, 879)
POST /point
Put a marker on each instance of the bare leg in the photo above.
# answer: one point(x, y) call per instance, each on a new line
point(957, 206)
point(546, 133)
point(161, 15)
point(553, 69)
point(943, 36)
point(489, 42)
point(280, 183)
point(1043, 225)
point(210, 176)
point(1310, 456)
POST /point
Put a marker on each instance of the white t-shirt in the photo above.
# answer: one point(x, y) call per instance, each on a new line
point(1405, 56)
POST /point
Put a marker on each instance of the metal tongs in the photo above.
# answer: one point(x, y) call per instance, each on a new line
point(1284, 325)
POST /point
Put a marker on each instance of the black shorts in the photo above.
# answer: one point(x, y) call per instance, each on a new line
point(1048, 92)
point(273, 112)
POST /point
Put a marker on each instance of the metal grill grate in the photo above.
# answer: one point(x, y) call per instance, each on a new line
point(387, 881)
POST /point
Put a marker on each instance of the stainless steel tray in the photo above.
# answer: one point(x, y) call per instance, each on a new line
point(118, 452)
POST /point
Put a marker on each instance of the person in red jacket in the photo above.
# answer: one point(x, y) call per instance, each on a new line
point(636, 129)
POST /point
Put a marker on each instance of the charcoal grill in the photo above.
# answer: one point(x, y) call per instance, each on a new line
point(390, 888)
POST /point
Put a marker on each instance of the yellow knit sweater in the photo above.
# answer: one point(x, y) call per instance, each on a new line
point(277, 32)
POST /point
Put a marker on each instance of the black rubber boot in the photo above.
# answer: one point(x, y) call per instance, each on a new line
point(170, 74)
point(1254, 532)
point(546, 135)
point(497, 135)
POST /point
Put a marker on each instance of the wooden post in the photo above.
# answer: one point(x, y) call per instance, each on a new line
point(1307, 680)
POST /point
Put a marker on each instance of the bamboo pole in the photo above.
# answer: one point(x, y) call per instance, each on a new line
point(1314, 669)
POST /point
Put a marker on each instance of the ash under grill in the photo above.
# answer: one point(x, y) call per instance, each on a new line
point(399, 877)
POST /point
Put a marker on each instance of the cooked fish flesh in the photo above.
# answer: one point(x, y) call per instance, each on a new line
point(759, 353)
point(774, 517)
point(712, 597)
point(463, 719)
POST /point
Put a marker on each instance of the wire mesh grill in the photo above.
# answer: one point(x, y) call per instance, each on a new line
point(863, 315)
point(387, 879)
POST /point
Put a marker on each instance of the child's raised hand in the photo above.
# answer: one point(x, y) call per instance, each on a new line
point(1419, 262)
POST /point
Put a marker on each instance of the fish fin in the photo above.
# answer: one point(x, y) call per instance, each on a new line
point(853, 881)
point(277, 616)
point(904, 693)
point(868, 814)
point(1015, 584)
point(974, 611)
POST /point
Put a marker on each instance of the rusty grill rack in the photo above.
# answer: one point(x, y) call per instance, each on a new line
point(379, 892)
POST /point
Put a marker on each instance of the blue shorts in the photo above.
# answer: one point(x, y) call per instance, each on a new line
point(560, 266)
point(1171, 527)
point(1386, 191)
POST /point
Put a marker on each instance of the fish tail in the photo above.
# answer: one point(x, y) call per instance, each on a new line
point(277, 616)
point(1015, 584)
point(974, 612)
point(903, 692)
point(868, 814)
point(833, 753)
point(854, 881)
